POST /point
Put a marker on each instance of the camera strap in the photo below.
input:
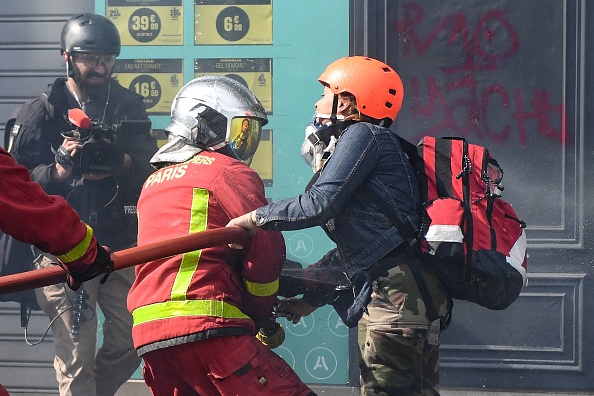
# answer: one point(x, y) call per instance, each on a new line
point(89, 202)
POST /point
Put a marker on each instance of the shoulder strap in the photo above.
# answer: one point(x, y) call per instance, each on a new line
point(415, 269)
point(418, 165)
point(50, 110)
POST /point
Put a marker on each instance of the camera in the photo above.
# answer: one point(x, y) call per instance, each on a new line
point(102, 151)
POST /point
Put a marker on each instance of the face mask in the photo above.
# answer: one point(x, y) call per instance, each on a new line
point(319, 142)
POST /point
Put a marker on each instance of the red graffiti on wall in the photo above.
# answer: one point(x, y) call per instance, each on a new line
point(478, 106)
point(491, 112)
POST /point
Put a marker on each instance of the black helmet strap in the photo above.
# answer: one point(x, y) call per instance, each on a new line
point(69, 66)
point(333, 117)
point(326, 134)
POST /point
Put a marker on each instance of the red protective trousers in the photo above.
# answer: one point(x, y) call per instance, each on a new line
point(231, 365)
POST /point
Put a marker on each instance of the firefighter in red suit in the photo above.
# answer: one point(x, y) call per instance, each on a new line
point(48, 222)
point(196, 314)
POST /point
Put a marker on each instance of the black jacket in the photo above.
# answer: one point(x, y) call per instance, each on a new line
point(108, 205)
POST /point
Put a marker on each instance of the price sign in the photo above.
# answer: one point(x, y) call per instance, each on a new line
point(147, 22)
point(157, 80)
point(254, 73)
point(245, 22)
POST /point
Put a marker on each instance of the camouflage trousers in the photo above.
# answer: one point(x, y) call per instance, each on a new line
point(399, 346)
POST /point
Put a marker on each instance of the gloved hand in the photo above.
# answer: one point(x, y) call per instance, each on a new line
point(272, 336)
point(63, 157)
point(102, 264)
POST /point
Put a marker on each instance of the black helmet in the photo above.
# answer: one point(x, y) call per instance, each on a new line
point(90, 33)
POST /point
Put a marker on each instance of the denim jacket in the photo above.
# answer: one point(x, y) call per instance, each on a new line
point(367, 158)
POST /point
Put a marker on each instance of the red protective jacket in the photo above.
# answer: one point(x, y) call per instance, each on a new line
point(207, 293)
point(32, 216)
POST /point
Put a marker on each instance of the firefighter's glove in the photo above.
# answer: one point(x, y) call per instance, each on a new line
point(272, 337)
point(63, 157)
point(103, 264)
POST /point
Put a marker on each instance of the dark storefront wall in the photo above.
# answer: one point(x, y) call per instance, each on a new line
point(510, 75)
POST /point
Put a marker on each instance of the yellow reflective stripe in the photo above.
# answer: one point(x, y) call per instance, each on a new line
point(175, 309)
point(189, 262)
point(261, 289)
point(79, 250)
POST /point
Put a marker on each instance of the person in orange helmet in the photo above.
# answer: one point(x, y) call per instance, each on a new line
point(358, 163)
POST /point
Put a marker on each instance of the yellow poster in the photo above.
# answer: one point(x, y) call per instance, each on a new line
point(254, 73)
point(147, 22)
point(157, 80)
point(161, 137)
point(216, 22)
point(262, 161)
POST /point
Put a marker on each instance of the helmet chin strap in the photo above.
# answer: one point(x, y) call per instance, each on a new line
point(69, 67)
point(335, 128)
point(333, 117)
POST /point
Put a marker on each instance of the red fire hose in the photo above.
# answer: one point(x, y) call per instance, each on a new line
point(130, 257)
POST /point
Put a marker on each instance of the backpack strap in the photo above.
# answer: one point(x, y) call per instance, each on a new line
point(465, 174)
point(417, 163)
point(50, 110)
point(415, 269)
point(414, 252)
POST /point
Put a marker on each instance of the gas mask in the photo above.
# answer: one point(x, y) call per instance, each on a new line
point(319, 141)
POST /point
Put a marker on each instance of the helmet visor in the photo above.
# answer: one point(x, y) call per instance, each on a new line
point(244, 136)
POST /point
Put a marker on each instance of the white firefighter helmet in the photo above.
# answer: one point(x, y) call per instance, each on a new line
point(212, 113)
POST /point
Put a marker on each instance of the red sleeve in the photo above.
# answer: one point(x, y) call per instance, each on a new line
point(263, 261)
point(32, 216)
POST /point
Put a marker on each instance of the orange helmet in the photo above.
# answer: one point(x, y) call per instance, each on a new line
point(375, 85)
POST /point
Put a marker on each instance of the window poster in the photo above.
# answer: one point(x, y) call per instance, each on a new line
point(157, 80)
point(216, 22)
point(161, 137)
point(147, 22)
point(262, 161)
point(254, 73)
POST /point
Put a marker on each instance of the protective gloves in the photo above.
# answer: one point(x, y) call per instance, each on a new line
point(102, 264)
point(63, 157)
point(271, 333)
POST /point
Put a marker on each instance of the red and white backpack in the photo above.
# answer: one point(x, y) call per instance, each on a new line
point(471, 238)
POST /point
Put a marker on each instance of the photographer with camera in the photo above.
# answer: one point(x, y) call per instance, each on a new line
point(99, 165)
